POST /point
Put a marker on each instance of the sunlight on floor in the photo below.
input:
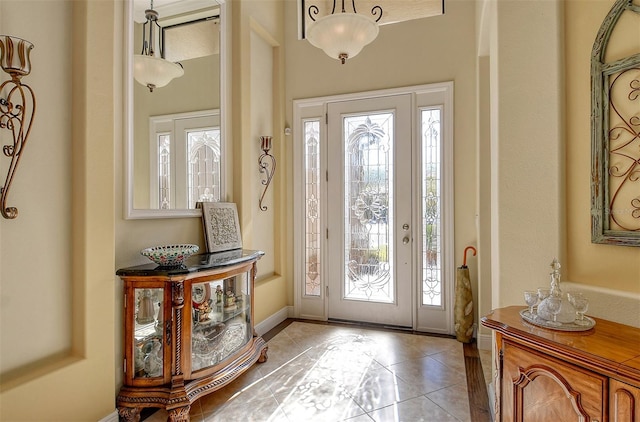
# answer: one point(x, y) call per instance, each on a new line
point(333, 373)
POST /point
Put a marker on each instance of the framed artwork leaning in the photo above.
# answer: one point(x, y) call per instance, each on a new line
point(221, 226)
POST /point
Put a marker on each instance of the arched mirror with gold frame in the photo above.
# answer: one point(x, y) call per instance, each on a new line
point(174, 136)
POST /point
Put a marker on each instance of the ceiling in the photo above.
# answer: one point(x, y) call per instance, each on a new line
point(170, 8)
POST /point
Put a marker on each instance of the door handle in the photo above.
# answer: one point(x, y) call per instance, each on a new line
point(405, 240)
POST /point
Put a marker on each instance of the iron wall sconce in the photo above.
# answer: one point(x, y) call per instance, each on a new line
point(16, 109)
point(267, 168)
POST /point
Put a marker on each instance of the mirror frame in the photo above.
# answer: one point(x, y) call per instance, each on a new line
point(225, 112)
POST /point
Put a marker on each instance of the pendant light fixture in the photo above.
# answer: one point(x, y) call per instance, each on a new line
point(148, 69)
point(343, 35)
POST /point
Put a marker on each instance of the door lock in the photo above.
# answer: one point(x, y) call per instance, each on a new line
point(405, 226)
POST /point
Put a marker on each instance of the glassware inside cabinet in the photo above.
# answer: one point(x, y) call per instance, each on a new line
point(221, 319)
point(148, 333)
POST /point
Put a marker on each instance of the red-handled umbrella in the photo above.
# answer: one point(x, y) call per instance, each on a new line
point(463, 309)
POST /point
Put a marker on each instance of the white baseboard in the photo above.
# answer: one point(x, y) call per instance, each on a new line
point(111, 417)
point(485, 342)
point(273, 320)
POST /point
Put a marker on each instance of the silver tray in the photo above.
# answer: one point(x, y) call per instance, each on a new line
point(565, 326)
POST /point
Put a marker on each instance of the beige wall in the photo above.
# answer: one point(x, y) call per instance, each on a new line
point(41, 191)
point(613, 267)
point(57, 272)
point(258, 110)
point(527, 208)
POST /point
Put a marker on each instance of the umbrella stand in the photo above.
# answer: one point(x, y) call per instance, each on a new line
point(463, 309)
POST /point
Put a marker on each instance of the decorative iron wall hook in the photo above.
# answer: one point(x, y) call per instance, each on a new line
point(16, 109)
point(266, 167)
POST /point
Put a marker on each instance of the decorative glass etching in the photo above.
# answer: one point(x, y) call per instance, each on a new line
point(368, 224)
point(203, 150)
point(615, 129)
point(164, 171)
point(312, 207)
point(431, 209)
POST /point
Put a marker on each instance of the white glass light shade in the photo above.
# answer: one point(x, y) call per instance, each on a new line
point(342, 35)
point(155, 72)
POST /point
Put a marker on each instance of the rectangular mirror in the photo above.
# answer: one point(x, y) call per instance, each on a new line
point(175, 126)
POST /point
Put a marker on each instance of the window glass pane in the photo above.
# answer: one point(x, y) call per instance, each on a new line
point(203, 150)
point(431, 209)
point(164, 171)
point(312, 207)
point(368, 221)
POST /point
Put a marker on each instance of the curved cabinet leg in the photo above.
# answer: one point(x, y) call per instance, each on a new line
point(180, 414)
point(129, 414)
point(263, 355)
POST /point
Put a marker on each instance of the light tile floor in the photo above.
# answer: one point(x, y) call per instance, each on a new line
point(333, 373)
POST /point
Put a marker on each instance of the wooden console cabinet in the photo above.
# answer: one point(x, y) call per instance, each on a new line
point(546, 375)
point(188, 331)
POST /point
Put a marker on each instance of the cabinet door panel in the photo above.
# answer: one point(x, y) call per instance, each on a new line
point(220, 321)
point(539, 388)
point(625, 402)
point(146, 333)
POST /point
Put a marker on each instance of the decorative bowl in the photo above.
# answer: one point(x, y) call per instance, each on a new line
point(170, 255)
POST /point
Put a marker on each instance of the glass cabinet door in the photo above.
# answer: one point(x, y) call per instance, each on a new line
point(221, 319)
point(147, 333)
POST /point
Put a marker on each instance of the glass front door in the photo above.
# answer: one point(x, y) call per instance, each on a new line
point(369, 187)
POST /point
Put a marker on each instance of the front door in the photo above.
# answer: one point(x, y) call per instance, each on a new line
point(370, 210)
point(374, 207)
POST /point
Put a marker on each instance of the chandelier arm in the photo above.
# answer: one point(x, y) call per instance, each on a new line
point(152, 41)
point(313, 12)
point(160, 40)
point(144, 39)
point(375, 10)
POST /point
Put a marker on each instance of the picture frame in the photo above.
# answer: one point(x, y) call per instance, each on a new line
point(200, 293)
point(615, 204)
point(221, 226)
